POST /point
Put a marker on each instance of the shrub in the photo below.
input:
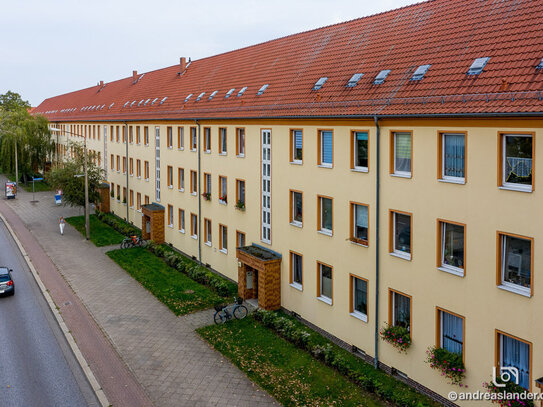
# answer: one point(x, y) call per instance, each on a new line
point(397, 336)
point(511, 394)
point(450, 364)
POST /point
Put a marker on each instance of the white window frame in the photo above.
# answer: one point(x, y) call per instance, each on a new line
point(322, 163)
point(193, 139)
point(223, 230)
point(356, 313)
point(181, 175)
point(207, 140)
point(294, 284)
point(293, 159)
point(223, 181)
point(324, 298)
point(223, 137)
point(194, 183)
point(181, 138)
point(294, 221)
point(208, 232)
point(322, 229)
point(170, 137)
point(355, 150)
point(182, 221)
point(447, 267)
point(240, 134)
point(459, 180)
point(194, 226)
point(506, 284)
point(170, 216)
point(397, 172)
point(512, 185)
point(393, 304)
point(396, 252)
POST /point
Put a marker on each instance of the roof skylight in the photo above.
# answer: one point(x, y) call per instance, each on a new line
point(126, 104)
point(354, 80)
point(154, 100)
point(478, 65)
point(229, 93)
point(213, 94)
point(420, 72)
point(163, 100)
point(111, 105)
point(242, 91)
point(262, 89)
point(132, 104)
point(141, 102)
point(188, 97)
point(319, 83)
point(200, 96)
point(381, 76)
point(540, 66)
point(147, 101)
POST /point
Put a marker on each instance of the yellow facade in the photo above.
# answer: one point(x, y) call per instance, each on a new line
point(479, 204)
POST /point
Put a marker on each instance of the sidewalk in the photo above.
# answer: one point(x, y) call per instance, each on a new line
point(166, 356)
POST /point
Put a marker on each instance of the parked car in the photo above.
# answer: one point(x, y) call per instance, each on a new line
point(7, 287)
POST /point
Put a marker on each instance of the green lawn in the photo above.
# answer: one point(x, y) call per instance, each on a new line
point(288, 373)
point(177, 291)
point(101, 234)
point(39, 186)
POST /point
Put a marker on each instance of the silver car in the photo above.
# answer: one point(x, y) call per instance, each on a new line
point(7, 287)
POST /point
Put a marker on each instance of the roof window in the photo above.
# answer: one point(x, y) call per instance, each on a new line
point(141, 102)
point(319, 83)
point(111, 105)
point(200, 96)
point(420, 72)
point(242, 91)
point(213, 95)
point(354, 80)
point(188, 97)
point(478, 65)
point(126, 104)
point(381, 76)
point(132, 104)
point(154, 101)
point(163, 100)
point(262, 89)
point(229, 93)
point(540, 66)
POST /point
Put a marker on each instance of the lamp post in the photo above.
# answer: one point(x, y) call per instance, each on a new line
point(87, 223)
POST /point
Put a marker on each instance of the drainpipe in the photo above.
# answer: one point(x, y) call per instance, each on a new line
point(377, 190)
point(199, 195)
point(127, 171)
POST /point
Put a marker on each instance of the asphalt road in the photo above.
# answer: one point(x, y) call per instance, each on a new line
point(37, 366)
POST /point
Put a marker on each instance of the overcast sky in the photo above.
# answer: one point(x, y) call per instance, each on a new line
point(50, 47)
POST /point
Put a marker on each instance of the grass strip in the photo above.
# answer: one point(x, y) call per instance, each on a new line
point(100, 233)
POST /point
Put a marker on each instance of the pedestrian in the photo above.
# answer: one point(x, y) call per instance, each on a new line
point(61, 223)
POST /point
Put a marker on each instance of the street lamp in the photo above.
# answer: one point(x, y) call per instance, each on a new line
point(87, 223)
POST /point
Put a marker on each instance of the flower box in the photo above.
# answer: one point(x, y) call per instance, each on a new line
point(450, 364)
point(397, 336)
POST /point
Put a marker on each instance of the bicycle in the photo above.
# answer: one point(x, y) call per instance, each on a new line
point(226, 312)
point(133, 241)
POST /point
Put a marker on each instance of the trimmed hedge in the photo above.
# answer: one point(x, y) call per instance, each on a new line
point(360, 372)
point(118, 224)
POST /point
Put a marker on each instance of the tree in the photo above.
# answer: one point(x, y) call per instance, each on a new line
point(12, 101)
point(70, 179)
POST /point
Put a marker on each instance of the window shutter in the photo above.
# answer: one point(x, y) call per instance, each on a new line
point(327, 147)
point(298, 139)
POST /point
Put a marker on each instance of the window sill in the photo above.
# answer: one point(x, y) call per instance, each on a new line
point(325, 232)
point(359, 169)
point(181, 190)
point(359, 242)
point(222, 154)
point(139, 210)
point(194, 237)
point(296, 286)
point(182, 231)
point(181, 149)
point(224, 251)
point(459, 181)
point(207, 151)
point(296, 224)
point(131, 175)
point(193, 150)
point(170, 186)
point(147, 179)
point(400, 175)
point(208, 244)
point(326, 300)
point(170, 226)
point(452, 270)
point(330, 166)
point(131, 207)
point(138, 177)
point(170, 147)
point(359, 315)
point(240, 155)
point(401, 255)
point(222, 202)
point(194, 193)
point(296, 162)
point(516, 290)
point(146, 145)
point(516, 189)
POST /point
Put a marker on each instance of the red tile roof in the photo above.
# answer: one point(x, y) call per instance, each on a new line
point(448, 34)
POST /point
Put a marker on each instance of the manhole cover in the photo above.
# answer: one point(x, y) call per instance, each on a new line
point(67, 303)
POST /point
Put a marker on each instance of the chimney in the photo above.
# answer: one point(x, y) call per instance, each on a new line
point(101, 84)
point(135, 76)
point(182, 64)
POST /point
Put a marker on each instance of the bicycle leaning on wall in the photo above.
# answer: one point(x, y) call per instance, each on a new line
point(226, 312)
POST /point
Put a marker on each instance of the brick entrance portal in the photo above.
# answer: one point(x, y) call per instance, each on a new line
point(152, 222)
point(103, 203)
point(259, 276)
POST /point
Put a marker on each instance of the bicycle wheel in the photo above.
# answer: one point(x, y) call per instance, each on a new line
point(142, 243)
point(219, 318)
point(240, 312)
point(124, 244)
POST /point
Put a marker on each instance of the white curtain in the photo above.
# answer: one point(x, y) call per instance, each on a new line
point(452, 332)
point(517, 354)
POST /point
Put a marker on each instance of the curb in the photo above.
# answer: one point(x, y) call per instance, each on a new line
point(67, 334)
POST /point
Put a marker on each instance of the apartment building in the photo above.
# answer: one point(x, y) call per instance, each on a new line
point(383, 168)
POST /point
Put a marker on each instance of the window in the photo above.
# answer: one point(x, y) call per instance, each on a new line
point(399, 309)
point(138, 136)
point(194, 226)
point(240, 193)
point(118, 193)
point(170, 176)
point(207, 139)
point(124, 195)
point(326, 148)
point(517, 353)
point(452, 157)
point(131, 166)
point(124, 165)
point(240, 239)
point(240, 142)
point(223, 190)
point(451, 243)
point(359, 223)
point(516, 155)
point(181, 179)
point(450, 329)
point(222, 140)
point(401, 154)
point(193, 139)
point(138, 202)
point(477, 66)
point(207, 186)
point(296, 208)
point(296, 270)
point(296, 146)
point(325, 215)
point(118, 164)
point(170, 216)
point(146, 170)
point(207, 232)
point(193, 182)
point(319, 83)
point(117, 134)
point(324, 282)
point(138, 168)
point(223, 239)
point(124, 134)
point(400, 234)
point(359, 151)
point(146, 199)
point(131, 198)
point(180, 138)
point(181, 215)
point(354, 80)
point(358, 294)
point(130, 134)
point(112, 162)
point(381, 76)
point(146, 135)
point(170, 137)
point(112, 190)
point(516, 263)
point(110, 133)
point(420, 72)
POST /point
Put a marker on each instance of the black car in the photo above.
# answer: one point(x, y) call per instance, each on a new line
point(7, 287)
